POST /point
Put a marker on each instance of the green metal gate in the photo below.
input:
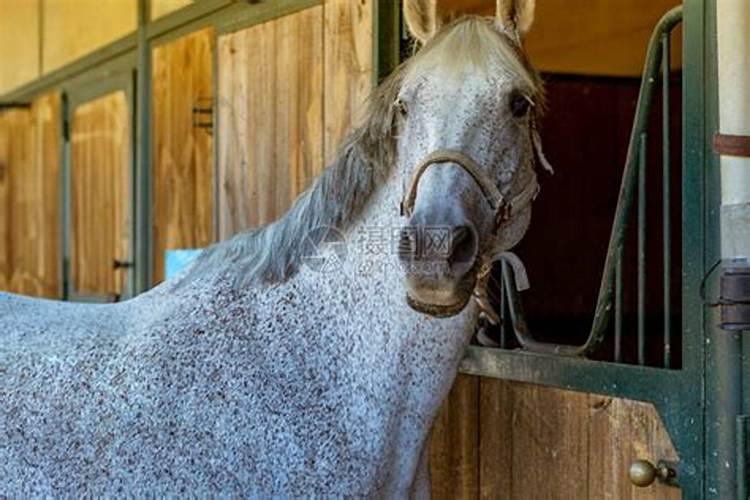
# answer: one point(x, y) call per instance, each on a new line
point(700, 401)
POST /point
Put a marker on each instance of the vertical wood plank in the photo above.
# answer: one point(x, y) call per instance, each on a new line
point(271, 107)
point(47, 136)
point(348, 67)
point(495, 438)
point(622, 431)
point(182, 166)
point(100, 195)
point(454, 457)
point(29, 198)
point(550, 443)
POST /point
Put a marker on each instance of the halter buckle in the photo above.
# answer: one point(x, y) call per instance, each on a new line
point(503, 212)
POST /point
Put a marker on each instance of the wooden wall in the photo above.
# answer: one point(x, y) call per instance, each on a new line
point(101, 218)
point(73, 28)
point(183, 150)
point(596, 37)
point(602, 37)
point(585, 37)
point(19, 43)
point(29, 198)
point(534, 442)
point(287, 93)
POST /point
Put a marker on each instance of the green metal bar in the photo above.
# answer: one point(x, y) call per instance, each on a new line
point(666, 197)
point(178, 20)
point(618, 307)
point(242, 15)
point(640, 123)
point(503, 310)
point(143, 251)
point(742, 451)
point(57, 77)
point(671, 391)
point(65, 113)
point(699, 236)
point(387, 31)
point(642, 150)
point(603, 310)
point(642, 383)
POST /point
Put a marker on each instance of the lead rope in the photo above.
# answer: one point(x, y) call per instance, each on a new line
point(487, 313)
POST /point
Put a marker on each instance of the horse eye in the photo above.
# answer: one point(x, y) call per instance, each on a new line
point(519, 104)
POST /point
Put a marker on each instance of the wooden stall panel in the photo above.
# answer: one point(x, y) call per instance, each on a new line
point(100, 195)
point(588, 37)
point(15, 158)
point(270, 117)
point(29, 199)
point(348, 46)
point(538, 442)
point(289, 91)
point(454, 443)
point(182, 167)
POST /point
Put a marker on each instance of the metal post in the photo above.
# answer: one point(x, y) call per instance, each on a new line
point(666, 195)
point(642, 250)
point(618, 306)
point(143, 188)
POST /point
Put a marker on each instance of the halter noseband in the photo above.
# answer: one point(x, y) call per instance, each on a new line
point(502, 208)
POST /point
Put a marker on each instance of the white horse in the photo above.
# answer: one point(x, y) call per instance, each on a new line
point(262, 370)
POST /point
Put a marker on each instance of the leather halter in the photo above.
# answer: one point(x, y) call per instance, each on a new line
point(502, 208)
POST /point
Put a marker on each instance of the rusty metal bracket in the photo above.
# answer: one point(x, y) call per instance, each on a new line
point(203, 112)
point(15, 105)
point(734, 286)
point(732, 145)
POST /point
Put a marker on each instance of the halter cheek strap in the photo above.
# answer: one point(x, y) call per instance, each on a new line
point(502, 208)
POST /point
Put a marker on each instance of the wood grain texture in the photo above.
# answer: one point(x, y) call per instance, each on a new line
point(495, 447)
point(550, 444)
point(16, 160)
point(622, 431)
point(183, 181)
point(30, 198)
point(271, 118)
point(454, 446)
point(543, 443)
point(589, 37)
point(100, 195)
point(348, 45)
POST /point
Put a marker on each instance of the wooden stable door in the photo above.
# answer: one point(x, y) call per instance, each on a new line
point(99, 229)
point(29, 198)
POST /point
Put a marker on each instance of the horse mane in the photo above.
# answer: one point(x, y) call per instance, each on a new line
point(272, 253)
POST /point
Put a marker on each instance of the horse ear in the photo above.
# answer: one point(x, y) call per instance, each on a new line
point(515, 16)
point(421, 18)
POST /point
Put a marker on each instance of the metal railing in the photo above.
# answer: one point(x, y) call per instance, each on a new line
point(610, 297)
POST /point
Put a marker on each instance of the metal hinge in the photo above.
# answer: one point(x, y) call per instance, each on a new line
point(65, 118)
point(66, 129)
point(734, 288)
point(203, 112)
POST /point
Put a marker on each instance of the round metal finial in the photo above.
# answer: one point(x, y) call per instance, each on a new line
point(642, 473)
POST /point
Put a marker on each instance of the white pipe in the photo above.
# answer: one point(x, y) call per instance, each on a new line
point(733, 17)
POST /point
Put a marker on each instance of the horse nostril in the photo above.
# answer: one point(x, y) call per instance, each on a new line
point(463, 248)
